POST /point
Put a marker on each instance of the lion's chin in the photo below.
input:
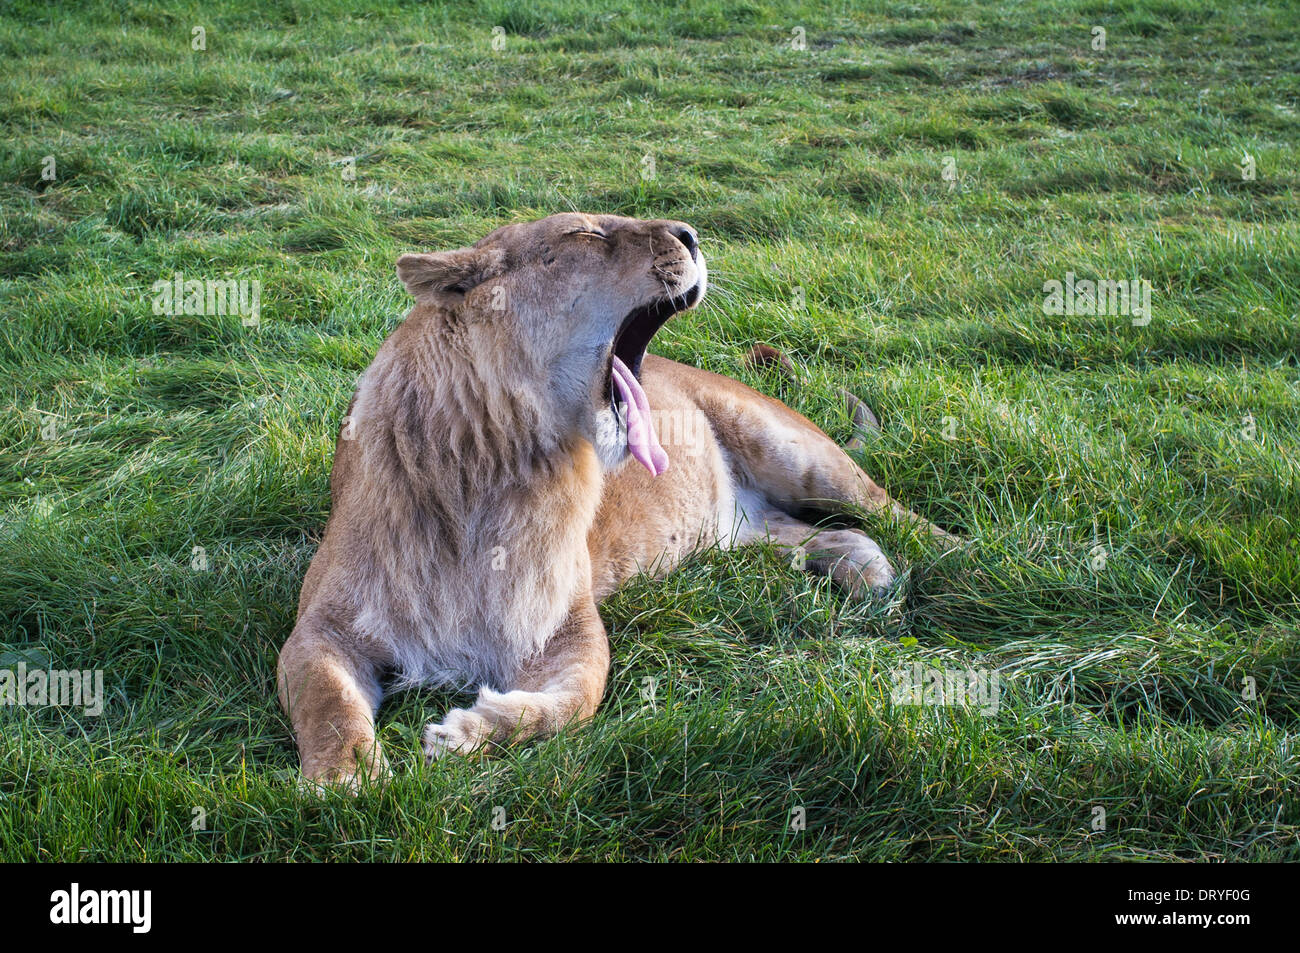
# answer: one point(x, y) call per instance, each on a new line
point(610, 439)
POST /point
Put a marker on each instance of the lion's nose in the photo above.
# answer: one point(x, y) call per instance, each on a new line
point(686, 235)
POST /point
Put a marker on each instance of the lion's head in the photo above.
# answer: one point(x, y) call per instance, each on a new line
point(571, 301)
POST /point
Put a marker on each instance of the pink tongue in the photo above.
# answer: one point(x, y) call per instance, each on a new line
point(641, 439)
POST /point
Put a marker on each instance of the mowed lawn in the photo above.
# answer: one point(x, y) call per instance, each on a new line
point(882, 190)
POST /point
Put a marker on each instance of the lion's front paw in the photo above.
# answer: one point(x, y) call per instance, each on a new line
point(497, 716)
point(461, 732)
point(362, 766)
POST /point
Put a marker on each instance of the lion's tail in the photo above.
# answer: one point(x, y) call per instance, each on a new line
point(864, 421)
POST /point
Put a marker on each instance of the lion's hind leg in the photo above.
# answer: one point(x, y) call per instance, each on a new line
point(850, 557)
point(789, 460)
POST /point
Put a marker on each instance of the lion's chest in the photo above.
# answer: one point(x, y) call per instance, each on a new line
point(471, 610)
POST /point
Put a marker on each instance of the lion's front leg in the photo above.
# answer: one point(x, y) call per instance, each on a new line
point(564, 686)
point(330, 695)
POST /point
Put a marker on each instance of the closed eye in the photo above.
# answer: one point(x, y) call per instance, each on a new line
point(590, 233)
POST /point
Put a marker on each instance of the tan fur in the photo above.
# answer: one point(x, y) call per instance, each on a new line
point(481, 509)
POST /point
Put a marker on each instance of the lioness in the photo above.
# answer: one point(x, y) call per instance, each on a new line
point(500, 473)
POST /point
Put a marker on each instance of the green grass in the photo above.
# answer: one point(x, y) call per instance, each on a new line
point(1173, 445)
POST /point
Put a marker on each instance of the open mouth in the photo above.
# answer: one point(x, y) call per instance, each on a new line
point(622, 384)
point(641, 325)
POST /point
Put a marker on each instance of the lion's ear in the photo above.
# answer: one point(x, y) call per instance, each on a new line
point(446, 272)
